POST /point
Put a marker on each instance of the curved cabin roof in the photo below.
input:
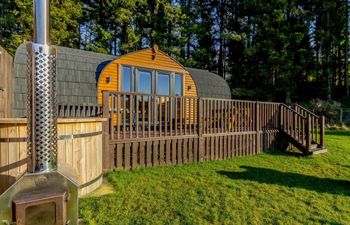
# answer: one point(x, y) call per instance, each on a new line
point(76, 77)
point(201, 83)
point(209, 84)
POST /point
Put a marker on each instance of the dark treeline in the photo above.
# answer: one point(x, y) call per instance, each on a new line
point(282, 50)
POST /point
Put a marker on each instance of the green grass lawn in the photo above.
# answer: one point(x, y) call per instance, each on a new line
point(269, 188)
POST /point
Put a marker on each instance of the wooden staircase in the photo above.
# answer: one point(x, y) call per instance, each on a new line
point(303, 129)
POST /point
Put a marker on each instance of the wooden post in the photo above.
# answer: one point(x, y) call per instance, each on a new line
point(200, 130)
point(257, 127)
point(295, 125)
point(322, 124)
point(105, 130)
point(281, 118)
point(307, 130)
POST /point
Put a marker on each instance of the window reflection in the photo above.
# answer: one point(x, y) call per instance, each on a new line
point(144, 84)
point(178, 85)
point(163, 84)
point(170, 84)
point(126, 79)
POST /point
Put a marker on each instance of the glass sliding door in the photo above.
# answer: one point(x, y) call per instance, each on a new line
point(163, 88)
point(163, 84)
point(178, 91)
point(144, 85)
point(144, 81)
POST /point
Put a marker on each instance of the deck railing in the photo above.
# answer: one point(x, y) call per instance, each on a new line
point(149, 130)
point(68, 110)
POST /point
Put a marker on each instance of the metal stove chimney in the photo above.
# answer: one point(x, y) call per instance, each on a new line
point(42, 105)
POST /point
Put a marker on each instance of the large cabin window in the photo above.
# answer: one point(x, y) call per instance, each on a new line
point(178, 85)
point(150, 81)
point(163, 84)
point(144, 81)
point(126, 79)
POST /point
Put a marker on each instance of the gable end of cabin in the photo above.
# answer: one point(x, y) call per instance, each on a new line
point(146, 71)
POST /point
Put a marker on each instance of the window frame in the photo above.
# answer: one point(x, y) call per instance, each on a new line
point(154, 79)
point(182, 84)
point(136, 70)
point(131, 78)
point(157, 82)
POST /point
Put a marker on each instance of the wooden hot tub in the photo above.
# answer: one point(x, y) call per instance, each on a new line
point(79, 146)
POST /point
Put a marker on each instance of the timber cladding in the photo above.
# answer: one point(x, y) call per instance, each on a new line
point(6, 67)
point(110, 78)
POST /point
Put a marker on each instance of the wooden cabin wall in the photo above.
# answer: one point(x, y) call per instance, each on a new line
point(145, 59)
point(142, 59)
point(190, 89)
point(112, 71)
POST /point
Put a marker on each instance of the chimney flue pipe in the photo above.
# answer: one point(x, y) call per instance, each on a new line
point(42, 106)
point(41, 22)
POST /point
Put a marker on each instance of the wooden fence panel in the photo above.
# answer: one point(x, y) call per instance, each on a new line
point(6, 73)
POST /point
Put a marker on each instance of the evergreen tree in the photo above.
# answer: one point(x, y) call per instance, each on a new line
point(283, 50)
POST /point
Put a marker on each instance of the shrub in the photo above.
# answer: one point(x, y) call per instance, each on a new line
point(329, 109)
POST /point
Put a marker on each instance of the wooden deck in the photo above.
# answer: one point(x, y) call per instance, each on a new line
point(150, 130)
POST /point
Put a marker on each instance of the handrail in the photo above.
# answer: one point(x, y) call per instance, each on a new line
point(308, 131)
point(299, 114)
point(308, 111)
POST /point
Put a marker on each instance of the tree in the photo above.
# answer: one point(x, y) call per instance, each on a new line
point(7, 24)
point(18, 18)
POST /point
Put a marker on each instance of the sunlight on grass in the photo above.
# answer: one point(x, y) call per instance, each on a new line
point(270, 188)
point(105, 189)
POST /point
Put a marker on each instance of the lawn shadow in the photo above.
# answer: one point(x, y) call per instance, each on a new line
point(342, 165)
point(338, 132)
point(328, 222)
point(292, 180)
point(286, 153)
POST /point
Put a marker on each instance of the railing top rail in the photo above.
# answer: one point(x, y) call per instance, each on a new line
point(192, 97)
point(288, 107)
point(238, 100)
point(308, 111)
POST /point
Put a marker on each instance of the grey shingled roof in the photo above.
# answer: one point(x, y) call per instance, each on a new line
point(209, 84)
point(76, 76)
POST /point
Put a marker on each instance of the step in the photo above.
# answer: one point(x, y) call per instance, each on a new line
point(315, 151)
point(313, 146)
